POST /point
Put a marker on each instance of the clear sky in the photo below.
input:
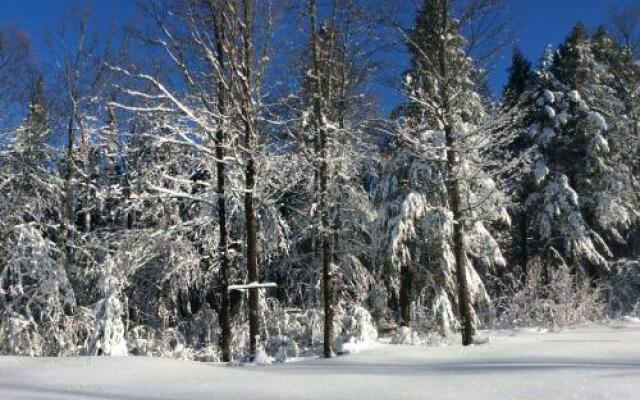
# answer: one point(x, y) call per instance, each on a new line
point(534, 23)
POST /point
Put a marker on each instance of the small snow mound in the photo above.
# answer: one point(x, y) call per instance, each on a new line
point(406, 336)
point(359, 332)
point(207, 354)
point(261, 357)
point(479, 340)
point(625, 322)
point(631, 320)
point(351, 345)
point(534, 330)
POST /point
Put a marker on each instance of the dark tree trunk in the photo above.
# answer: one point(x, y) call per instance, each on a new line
point(327, 274)
point(250, 214)
point(325, 223)
point(225, 306)
point(404, 301)
point(252, 257)
point(66, 206)
point(455, 191)
point(524, 243)
point(459, 251)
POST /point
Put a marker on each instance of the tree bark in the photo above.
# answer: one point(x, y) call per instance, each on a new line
point(325, 223)
point(405, 296)
point(66, 207)
point(459, 250)
point(524, 243)
point(250, 214)
point(454, 189)
point(225, 306)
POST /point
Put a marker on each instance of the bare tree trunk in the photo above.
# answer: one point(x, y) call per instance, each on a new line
point(250, 213)
point(524, 243)
point(66, 207)
point(224, 315)
point(325, 223)
point(225, 318)
point(455, 190)
point(86, 168)
point(404, 312)
point(326, 255)
point(459, 250)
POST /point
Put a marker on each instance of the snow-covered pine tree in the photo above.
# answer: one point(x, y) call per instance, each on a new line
point(36, 298)
point(108, 335)
point(436, 196)
point(622, 58)
point(516, 98)
point(579, 207)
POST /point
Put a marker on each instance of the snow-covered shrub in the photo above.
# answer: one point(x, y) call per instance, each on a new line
point(141, 341)
point(38, 303)
point(169, 343)
point(201, 330)
point(573, 298)
point(19, 336)
point(549, 296)
point(377, 302)
point(358, 331)
point(406, 336)
point(623, 288)
point(292, 332)
point(262, 357)
point(207, 354)
point(359, 324)
point(108, 336)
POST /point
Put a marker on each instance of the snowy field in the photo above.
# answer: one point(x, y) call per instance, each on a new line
point(590, 362)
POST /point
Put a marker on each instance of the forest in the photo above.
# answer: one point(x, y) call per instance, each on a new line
point(250, 180)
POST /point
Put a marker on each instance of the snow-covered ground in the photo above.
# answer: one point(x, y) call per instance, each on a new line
point(590, 362)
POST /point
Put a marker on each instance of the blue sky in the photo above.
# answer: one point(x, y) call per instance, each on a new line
point(534, 23)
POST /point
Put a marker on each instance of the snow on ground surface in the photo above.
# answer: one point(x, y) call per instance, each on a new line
point(589, 362)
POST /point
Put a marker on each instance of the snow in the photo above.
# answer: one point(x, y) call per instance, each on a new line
point(548, 134)
point(587, 363)
point(108, 337)
point(405, 336)
point(253, 285)
point(549, 96)
point(261, 357)
point(563, 117)
point(598, 121)
point(359, 332)
point(601, 144)
point(574, 96)
point(551, 113)
point(540, 171)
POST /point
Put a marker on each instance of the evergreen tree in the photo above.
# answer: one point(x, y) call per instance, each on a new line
point(36, 298)
point(521, 77)
point(443, 193)
point(579, 207)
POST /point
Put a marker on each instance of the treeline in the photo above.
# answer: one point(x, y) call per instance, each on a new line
point(160, 164)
